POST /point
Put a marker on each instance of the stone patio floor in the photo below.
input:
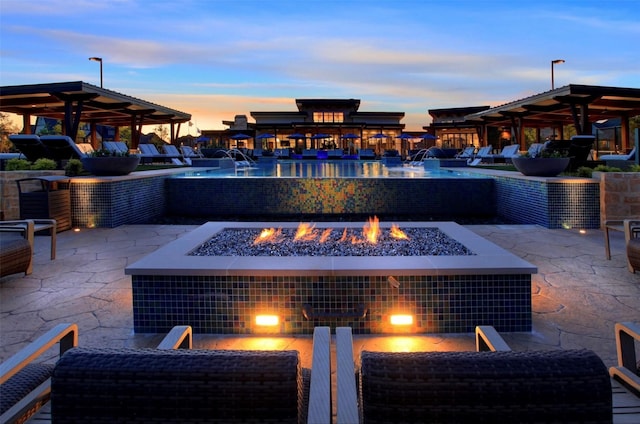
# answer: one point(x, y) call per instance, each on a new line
point(577, 294)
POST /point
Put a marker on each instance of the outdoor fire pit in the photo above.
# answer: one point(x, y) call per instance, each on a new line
point(443, 278)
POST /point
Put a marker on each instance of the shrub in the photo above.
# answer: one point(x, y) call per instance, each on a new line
point(73, 168)
point(605, 168)
point(105, 153)
point(585, 172)
point(43, 164)
point(17, 164)
point(634, 168)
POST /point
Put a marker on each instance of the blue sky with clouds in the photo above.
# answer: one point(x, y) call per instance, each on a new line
point(218, 58)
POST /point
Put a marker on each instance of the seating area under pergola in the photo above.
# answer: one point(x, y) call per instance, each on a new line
point(577, 105)
point(77, 101)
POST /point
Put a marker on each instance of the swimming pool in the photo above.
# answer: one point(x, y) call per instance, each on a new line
point(325, 169)
point(329, 190)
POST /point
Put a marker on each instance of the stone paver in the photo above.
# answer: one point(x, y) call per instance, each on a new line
point(577, 294)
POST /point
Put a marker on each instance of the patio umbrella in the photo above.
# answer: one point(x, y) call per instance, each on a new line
point(428, 136)
point(320, 136)
point(202, 139)
point(404, 136)
point(263, 136)
point(379, 135)
point(240, 137)
point(350, 136)
point(297, 136)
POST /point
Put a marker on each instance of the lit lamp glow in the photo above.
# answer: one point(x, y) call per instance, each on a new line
point(267, 320)
point(401, 319)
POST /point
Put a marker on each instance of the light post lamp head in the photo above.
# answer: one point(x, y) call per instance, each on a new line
point(554, 62)
point(98, 59)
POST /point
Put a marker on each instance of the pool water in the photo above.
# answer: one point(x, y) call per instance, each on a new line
point(326, 169)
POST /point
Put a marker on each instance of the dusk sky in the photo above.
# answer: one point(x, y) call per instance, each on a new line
point(216, 59)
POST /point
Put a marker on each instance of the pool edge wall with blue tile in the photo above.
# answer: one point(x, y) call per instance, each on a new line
point(113, 202)
point(551, 203)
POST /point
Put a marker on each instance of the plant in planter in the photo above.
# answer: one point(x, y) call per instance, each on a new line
point(544, 164)
point(108, 162)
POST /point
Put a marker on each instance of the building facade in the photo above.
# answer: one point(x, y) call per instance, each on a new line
point(316, 124)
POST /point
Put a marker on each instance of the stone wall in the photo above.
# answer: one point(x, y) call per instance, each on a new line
point(9, 196)
point(619, 195)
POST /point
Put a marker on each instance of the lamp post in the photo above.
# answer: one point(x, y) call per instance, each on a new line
point(98, 59)
point(554, 62)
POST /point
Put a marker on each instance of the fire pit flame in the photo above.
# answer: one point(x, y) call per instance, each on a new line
point(268, 235)
point(371, 230)
point(308, 232)
point(305, 232)
point(397, 233)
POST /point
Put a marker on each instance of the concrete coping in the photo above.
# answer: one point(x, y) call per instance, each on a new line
point(174, 258)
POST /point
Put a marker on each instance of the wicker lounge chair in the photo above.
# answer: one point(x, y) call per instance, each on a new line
point(25, 382)
point(483, 386)
point(106, 385)
point(628, 370)
point(631, 228)
point(16, 247)
point(30, 146)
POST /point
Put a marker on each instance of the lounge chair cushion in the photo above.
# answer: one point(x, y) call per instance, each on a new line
point(22, 383)
point(633, 253)
point(149, 385)
point(15, 255)
point(485, 387)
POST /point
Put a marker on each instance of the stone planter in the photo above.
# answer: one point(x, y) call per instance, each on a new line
point(118, 165)
point(540, 167)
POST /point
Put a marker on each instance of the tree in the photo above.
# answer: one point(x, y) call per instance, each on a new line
point(125, 135)
point(634, 123)
point(162, 132)
point(6, 127)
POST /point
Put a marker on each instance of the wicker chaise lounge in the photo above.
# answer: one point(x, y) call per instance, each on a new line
point(568, 386)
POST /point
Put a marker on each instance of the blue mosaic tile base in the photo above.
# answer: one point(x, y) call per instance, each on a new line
point(549, 204)
point(113, 203)
point(331, 196)
point(228, 305)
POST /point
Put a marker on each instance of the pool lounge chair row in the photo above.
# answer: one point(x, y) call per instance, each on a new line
point(56, 147)
point(172, 383)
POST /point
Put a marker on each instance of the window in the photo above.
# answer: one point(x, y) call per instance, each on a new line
point(328, 117)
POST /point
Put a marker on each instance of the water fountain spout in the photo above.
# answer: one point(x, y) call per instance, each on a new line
point(244, 162)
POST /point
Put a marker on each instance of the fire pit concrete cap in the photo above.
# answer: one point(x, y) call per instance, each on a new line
point(174, 258)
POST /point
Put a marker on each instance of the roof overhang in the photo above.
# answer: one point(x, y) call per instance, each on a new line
point(99, 105)
point(559, 106)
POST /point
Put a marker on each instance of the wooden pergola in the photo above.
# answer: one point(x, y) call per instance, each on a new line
point(577, 105)
point(77, 101)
